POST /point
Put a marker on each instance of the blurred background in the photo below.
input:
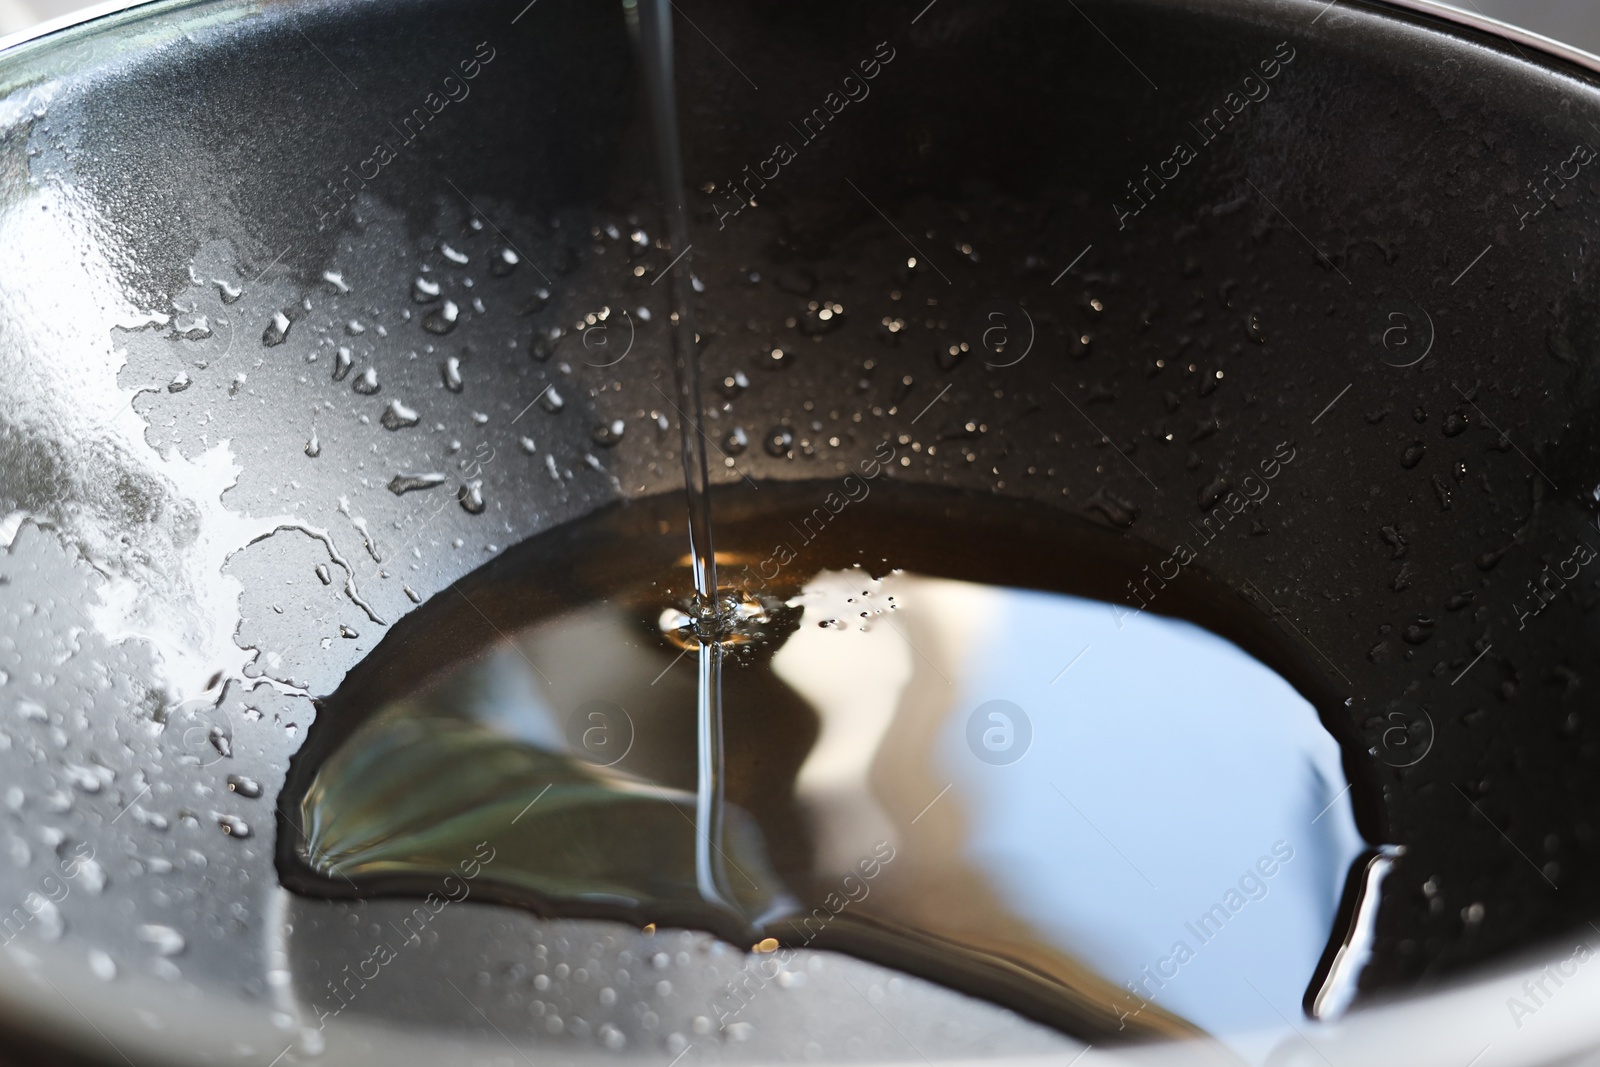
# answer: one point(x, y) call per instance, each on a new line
point(1576, 22)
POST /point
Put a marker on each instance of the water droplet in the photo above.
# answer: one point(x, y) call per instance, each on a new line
point(1254, 329)
point(543, 347)
point(1418, 632)
point(366, 382)
point(503, 262)
point(1454, 423)
point(442, 319)
point(179, 383)
point(780, 439)
point(397, 416)
point(406, 483)
point(1441, 489)
point(222, 741)
point(458, 258)
point(226, 291)
point(47, 922)
point(91, 876)
point(451, 370)
point(164, 939)
point(197, 329)
point(608, 434)
point(528, 445)
point(335, 279)
point(736, 441)
point(245, 787)
point(536, 302)
point(347, 633)
point(233, 826)
point(84, 778)
point(1211, 492)
point(1413, 455)
point(424, 290)
point(1118, 512)
point(551, 400)
point(101, 965)
point(411, 594)
point(341, 363)
point(313, 446)
point(277, 330)
point(471, 497)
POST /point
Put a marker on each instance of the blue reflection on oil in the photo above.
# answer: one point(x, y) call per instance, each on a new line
point(1165, 766)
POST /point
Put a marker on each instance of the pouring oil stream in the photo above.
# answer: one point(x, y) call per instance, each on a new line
point(654, 22)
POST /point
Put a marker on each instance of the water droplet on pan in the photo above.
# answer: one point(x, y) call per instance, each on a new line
point(245, 787)
point(398, 416)
point(442, 319)
point(407, 483)
point(503, 262)
point(164, 939)
point(277, 330)
point(780, 439)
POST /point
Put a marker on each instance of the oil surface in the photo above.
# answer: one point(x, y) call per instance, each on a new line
point(943, 753)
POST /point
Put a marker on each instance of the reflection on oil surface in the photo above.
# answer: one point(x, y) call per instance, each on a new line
point(1115, 821)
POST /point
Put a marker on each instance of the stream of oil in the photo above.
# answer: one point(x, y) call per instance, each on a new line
point(707, 616)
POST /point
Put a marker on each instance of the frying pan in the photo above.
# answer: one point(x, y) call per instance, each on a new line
point(213, 219)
